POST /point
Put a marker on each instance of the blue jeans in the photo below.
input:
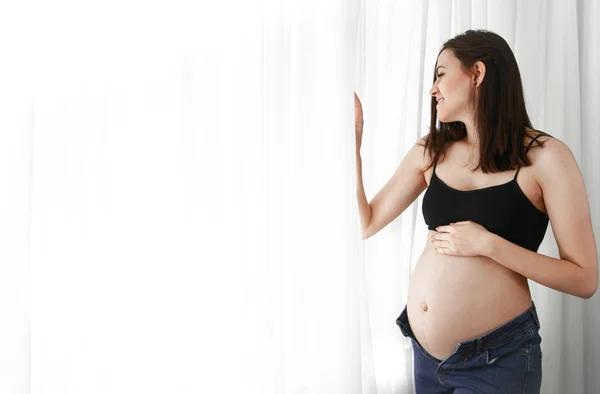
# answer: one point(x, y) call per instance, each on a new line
point(506, 360)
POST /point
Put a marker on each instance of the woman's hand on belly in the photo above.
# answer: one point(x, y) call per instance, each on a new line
point(459, 273)
point(467, 239)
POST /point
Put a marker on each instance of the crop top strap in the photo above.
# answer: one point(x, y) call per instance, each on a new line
point(529, 146)
point(434, 165)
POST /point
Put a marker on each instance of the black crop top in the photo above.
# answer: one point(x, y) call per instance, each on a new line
point(502, 209)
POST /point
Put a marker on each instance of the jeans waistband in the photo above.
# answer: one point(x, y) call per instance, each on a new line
point(526, 321)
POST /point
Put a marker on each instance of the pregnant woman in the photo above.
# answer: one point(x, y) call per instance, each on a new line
point(493, 184)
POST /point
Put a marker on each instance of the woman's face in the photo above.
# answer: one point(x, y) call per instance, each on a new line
point(451, 89)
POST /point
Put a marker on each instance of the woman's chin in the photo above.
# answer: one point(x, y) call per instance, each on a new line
point(445, 119)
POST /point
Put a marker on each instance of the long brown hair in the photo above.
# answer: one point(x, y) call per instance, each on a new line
point(500, 115)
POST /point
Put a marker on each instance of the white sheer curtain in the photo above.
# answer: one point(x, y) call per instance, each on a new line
point(179, 189)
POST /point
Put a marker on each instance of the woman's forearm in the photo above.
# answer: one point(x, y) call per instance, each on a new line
point(363, 205)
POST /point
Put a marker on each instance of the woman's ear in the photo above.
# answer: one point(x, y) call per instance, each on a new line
point(478, 73)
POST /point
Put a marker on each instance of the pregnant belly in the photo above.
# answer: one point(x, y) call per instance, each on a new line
point(453, 299)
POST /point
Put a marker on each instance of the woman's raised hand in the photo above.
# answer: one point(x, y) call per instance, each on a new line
point(358, 121)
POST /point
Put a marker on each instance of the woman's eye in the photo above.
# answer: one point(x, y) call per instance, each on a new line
point(440, 75)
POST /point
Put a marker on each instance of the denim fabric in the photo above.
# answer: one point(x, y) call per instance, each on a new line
point(508, 359)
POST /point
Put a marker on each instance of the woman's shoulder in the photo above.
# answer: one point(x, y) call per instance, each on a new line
point(549, 144)
point(546, 151)
point(539, 135)
point(541, 139)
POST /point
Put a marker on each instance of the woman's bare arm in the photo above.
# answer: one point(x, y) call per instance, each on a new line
point(400, 191)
